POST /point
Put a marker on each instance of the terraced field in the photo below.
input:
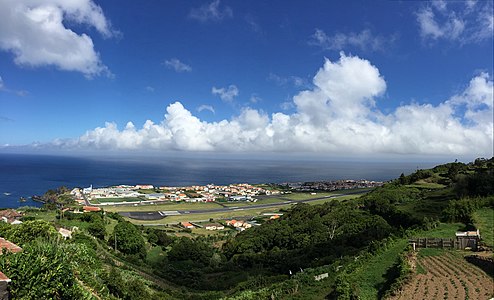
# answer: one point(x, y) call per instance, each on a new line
point(447, 276)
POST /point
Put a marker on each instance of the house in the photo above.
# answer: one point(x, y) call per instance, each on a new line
point(91, 208)
point(144, 187)
point(4, 280)
point(467, 239)
point(214, 226)
point(66, 234)
point(187, 225)
point(274, 217)
point(9, 246)
point(9, 215)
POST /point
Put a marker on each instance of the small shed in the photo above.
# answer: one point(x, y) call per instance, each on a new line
point(467, 239)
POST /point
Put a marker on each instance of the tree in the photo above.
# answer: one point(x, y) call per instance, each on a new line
point(41, 271)
point(97, 229)
point(128, 239)
point(30, 230)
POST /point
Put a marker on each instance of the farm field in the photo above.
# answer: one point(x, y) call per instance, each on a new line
point(447, 275)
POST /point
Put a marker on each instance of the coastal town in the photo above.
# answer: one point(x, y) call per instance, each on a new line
point(244, 192)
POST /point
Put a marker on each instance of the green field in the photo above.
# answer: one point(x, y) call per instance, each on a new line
point(242, 211)
point(164, 206)
point(371, 277)
point(444, 230)
point(117, 200)
point(484, 221)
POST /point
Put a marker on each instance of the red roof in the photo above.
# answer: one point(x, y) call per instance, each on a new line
point(91, 208)
point(4, 244)
point(3, 277)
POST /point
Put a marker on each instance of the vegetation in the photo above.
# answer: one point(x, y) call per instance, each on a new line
point(359, 244)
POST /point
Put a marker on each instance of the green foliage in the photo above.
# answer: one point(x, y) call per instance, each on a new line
point(484, 220)
point(401, 274)
point(309, 235)
point(461, 210)
point(129, 239)
point(159, 237)
point(184, 249)
point(41, 271)
point(30, 230)
point(383, 202)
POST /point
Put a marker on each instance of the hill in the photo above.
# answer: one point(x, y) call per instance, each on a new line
point(340, 249)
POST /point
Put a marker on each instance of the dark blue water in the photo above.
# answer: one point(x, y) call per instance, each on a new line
point(27, 175)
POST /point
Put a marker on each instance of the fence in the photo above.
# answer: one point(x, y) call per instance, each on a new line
point(432, 243)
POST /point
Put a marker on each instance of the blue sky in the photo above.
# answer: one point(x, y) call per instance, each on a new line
point(323, 77)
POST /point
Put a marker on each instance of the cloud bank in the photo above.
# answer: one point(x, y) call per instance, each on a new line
point(338, 115)
point(35, 32)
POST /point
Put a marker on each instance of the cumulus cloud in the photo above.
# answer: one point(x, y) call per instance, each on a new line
point(364, 40)
point(226, 94)
point(206, 107)
point(211, 12)
point(177, 65)
point(337, 115)
point(464, 22)
point(35, 32)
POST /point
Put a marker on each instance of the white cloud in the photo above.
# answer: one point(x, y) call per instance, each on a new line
point(35, 32)
point(337, 116)
point(288, 80)
point(149, 88)
point(211, 12)
point(2, 86)
point(364, 40)
point(254, 98)
point(205, 107)
point(177, 65)
point(226, 94)
point(468, 22)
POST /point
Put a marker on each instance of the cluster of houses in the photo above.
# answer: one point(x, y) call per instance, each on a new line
point(235, 224)
point(195, 193)
point(334, 185)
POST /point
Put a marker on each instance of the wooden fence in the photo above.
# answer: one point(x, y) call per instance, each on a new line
point(433, 243)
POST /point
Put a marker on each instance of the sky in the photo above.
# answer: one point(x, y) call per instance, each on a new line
point(322, 78)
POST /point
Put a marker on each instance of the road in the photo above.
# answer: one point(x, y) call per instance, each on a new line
point(147, 214)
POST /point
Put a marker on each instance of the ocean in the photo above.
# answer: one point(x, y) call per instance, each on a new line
point(24, 175)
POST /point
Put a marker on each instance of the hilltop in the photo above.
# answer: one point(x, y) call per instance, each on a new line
point(338, 248)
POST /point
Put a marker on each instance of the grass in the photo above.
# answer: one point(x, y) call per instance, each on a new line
point(444, 230)
point(433, 203)
point(111, 225)
point(306, 196)
point(167, 206)
point(44, 215)
point(484, 221)
point(155, 255)
point(428, 185)
point(118, 200)
point(372, 276)
point(425, 252)
point(330, 199)
point(242, 210)
point(206, 216)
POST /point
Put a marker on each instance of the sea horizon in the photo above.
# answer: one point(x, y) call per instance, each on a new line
point(25, 175)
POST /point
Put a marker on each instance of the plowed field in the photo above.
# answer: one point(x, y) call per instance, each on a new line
point(448, 276)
